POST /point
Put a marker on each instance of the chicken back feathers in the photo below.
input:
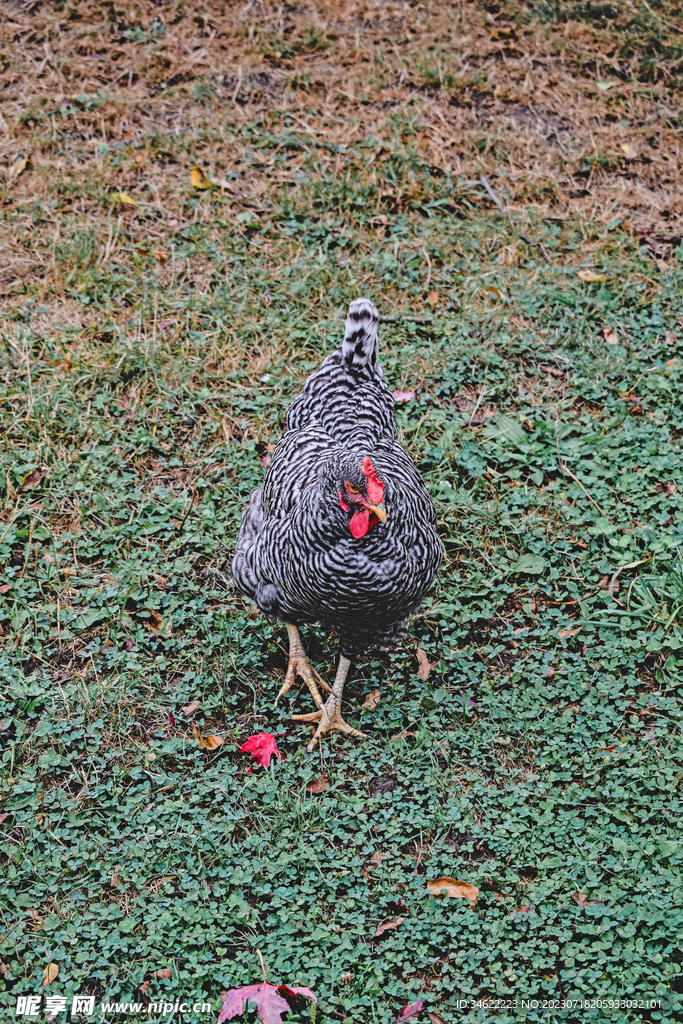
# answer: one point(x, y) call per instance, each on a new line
point(342, 530)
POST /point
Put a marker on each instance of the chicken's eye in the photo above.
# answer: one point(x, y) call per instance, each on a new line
point(351, 489)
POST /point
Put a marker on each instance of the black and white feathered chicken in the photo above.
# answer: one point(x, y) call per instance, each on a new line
point(342, 530)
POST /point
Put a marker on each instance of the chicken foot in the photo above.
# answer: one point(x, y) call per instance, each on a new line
point(328, 715)
point(299, 665)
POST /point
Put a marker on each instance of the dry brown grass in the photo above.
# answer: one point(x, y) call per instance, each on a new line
point(94, 92)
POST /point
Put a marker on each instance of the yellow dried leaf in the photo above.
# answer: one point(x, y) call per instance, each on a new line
point(371, 701)
point(22, 164)
point(590, 276)
point(425, 665)
point(124, 199)
point(610, 336)
point(50, 973)
point(210, 742)
point(198, 179)
point(457, 890)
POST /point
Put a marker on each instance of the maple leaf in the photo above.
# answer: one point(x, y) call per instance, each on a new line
point(262, 746)
point(410, 1011)
point(268, 998)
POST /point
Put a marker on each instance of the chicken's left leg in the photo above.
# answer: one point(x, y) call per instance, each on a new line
point(329, 716)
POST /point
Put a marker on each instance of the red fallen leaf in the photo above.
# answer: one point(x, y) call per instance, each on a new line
point(171, 722)
point(410, 1011)
point(262, 746)
point(403, 396)
point(268, 998)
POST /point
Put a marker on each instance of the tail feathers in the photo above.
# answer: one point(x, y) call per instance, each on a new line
point(360, 337)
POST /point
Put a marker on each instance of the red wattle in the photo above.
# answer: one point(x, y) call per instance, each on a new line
point(360, 523)
point(342, 503)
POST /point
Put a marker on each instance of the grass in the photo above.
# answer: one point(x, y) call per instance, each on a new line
point(148, 355)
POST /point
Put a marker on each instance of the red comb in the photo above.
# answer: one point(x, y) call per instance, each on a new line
point(375, 486)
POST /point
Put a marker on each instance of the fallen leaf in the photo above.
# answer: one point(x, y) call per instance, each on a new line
point(319, 786)
point(164, 972)
point(526, 909)
point(124, 199)
point(435, 1018)
point(378, 857)
point(500, 896)
point(145, 985)
point(210, 742)
point(161, 256)
point(582, 900)
point(671, 338)
point(5, 588)
point(198, 179)
point(22, 164)
point(262, 746)
point(425, 665)
point(115, 878)
point(37, 919)
point(604, 86)
point(3, 816)
point(154, 621)
point(33, 479)
point(190, 709)
point(568, 632)
point(265, 460)
point(269, 1002)
point(387, 926)
point(50, 973)
point(402, 735)
point(371, 701)
point(4, 968)
point(433, 299)
point(590, 276)
point(50, 559)
point(610, 336)
point(403, 396)
point(629, 151)
point(410, 1011)
point(457, 890)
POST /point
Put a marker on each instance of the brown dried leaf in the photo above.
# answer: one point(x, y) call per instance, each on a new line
point(319, 786)
point(457, 890)
point(425, 665)
point(190, 709)
point(671, 338)
point(145, 985)
point(433, 299)
point(582, 900)
point(154, 621)
point(402, 735)
point(3, 816)
point(387, 926)
point(610, 336)
point(371, 701)
point(568, 632)
point(164, 972)
point(33, 479)
point(49, 974)
point(435, 1018)
point(378, 857)
point(115, 878)
point(525, 909)
point(22, 164)
point(5, 588)
point(36, 917)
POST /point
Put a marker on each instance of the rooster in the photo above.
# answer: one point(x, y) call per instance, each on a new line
point(342, 530)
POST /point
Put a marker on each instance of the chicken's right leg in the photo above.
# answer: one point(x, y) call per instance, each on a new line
point(299, 665)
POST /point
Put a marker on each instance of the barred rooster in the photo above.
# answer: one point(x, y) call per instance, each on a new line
point(342, 530)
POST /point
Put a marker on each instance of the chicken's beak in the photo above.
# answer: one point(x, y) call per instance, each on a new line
point(379, 511)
